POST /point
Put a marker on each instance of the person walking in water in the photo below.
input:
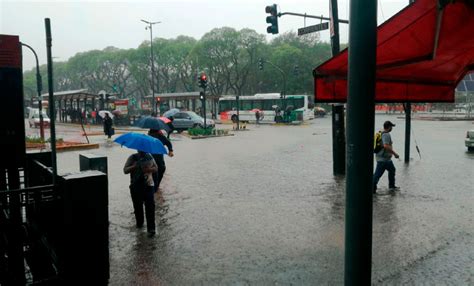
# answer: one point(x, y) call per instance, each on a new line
point(384, 158)
point(108, 126)
point(159, 158)
point(141, 167)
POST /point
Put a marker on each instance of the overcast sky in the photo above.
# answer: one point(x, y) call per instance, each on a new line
point(79, 26)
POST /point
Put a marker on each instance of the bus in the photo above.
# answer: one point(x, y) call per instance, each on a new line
point(270, 104)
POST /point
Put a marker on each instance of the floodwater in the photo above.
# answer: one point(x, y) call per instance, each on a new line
point(262, 207)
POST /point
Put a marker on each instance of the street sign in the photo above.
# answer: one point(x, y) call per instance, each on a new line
point(313, 28)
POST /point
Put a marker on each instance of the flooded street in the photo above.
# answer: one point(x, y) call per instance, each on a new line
point(262, 207)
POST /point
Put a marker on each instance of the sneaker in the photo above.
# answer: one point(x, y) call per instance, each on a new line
point(394, 188)
point(151, 233)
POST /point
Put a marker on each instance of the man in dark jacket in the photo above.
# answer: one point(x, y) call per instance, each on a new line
point(159, 159)
point(141, 166)
point(108, 125)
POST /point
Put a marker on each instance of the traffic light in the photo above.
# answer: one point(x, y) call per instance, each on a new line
point(203, 81)
point(296, 71)
point(260, 64)
point(201, 95)
point(272, 19)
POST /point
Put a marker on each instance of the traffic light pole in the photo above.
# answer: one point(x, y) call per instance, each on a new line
point(312, 16)
point(360, 136)
point(204, 105)
point(283, 74)
point(52, 111)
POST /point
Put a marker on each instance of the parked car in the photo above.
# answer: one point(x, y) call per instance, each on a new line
point(469, 141)
point(184, 120)
point(34, 118)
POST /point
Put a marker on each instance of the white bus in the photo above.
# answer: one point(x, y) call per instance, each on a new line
point(268, 103)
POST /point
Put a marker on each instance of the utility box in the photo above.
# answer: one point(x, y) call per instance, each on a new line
point(93, 162)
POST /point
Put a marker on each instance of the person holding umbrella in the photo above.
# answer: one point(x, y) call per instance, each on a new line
point(141, 166)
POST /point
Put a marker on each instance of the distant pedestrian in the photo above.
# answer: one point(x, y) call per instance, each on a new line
point(384, 158)
point(141, 167)
point(257, 117)
point(159, 158)
point(108, 130)
point(171, 126)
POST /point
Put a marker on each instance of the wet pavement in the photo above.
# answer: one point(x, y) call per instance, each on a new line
point(262, 207)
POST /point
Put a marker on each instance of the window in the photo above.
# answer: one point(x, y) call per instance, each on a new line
point(180, 115)
point(258, 104)
point(226, 105)
point(246, 105)
point(267, 105)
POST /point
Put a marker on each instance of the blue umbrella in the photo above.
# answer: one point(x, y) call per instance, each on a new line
point(152, 123)
point(171, 112)
point(141, 142)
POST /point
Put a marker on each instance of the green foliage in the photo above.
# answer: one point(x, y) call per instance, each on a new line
point(200, 131)
point(229, 58)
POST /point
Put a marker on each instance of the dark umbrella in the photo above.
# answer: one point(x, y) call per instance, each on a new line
point(152, 123)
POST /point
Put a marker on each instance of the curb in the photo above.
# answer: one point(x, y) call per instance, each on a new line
point(209, 136)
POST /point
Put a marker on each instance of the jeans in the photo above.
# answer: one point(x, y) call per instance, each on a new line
point(158, 176)
point(145, 196)
point(380, 169)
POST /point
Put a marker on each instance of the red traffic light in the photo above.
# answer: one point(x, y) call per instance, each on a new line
point(203, 77)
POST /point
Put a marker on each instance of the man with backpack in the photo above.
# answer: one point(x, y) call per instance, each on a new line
point(141, 166)
point(383, 154)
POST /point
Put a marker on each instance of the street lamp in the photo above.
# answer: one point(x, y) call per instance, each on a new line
point(150, 26)
point(39, 87)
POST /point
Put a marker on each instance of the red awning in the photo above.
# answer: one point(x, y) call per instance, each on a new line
point(422, 54)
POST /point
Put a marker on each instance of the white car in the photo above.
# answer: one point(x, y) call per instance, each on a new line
point(469, 141)
point(34, 118)
point(184, 120)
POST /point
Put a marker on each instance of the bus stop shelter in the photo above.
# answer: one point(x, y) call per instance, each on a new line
point(70, 101)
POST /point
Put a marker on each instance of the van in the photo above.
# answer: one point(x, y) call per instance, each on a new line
point(34, 118)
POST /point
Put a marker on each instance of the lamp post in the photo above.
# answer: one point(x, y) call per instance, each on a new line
point(39, 87)
point(150, 26)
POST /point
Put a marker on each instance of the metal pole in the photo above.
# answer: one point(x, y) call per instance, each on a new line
point(238, 113)
point(39, 87)
point(360, 132)
point(311, 16)
point(52, 117)
point(150, 26)
point(204, 106)
point(152, 70)
point(408, 123)
point(407, 131)
point(338, 122)
point(283, 74)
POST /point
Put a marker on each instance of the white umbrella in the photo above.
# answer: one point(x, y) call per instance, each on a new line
point(103, 112)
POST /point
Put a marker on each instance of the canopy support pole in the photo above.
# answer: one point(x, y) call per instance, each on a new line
point(360, 136)
point(407, 131)
point(338, 128)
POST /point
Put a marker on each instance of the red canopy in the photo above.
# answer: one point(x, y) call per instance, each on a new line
point(422, 54)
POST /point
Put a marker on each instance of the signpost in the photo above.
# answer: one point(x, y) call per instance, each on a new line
point(313, 28)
